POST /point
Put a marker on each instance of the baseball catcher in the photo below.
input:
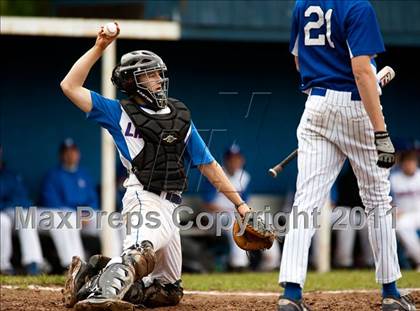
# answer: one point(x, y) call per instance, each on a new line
point(154, 134)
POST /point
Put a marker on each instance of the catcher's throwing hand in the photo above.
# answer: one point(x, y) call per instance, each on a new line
point(102, 40)
point(257, 234)
point(386, 151)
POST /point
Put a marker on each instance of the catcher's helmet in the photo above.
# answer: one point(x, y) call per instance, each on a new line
point(126, 77)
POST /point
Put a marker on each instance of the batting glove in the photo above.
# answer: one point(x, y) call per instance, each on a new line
point(386, 151)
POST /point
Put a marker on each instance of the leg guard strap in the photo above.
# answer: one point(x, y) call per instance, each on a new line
point(142, 258)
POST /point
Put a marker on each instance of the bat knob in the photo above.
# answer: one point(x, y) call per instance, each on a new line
point(272, 172)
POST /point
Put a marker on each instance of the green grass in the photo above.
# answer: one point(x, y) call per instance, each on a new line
point(24, 281)
point(335, 280)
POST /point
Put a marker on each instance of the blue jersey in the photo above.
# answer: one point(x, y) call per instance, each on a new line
point(110, 115)
point(12, 191)
point(326, 34)
point(68, 189)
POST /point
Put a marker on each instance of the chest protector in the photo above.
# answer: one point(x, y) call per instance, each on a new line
point(160, 165)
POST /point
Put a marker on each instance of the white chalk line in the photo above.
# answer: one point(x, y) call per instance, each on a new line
point(33, 287)
point(217, 293)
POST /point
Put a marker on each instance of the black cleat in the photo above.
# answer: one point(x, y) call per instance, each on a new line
point(405, 302)
point(286, 304)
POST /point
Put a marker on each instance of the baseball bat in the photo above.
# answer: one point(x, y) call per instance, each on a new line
point(279, 167)
point(384, 76)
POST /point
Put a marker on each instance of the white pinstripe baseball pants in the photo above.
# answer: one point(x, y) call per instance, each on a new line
point(332, 128)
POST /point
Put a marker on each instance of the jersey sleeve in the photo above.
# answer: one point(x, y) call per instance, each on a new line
point(105, 111)
point(294, 33)
point(197, 150)
point(362, 30)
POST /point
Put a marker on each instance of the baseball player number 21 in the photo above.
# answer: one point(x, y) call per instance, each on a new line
point(320, 40)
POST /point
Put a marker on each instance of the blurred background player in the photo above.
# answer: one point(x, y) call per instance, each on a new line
point(13, 194)
point(342, 119)
point(405, 187)
point(70, 186)
point(66, 187)
point(233, 165)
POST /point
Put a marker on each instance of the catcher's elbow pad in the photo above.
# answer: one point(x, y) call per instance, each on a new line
point(142, 258)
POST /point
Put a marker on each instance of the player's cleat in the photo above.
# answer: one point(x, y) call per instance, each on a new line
point(79, 272)
point(101, 304)
point(286, 304)
point(405, 303)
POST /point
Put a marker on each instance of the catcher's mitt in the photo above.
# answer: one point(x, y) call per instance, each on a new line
point(256, 236)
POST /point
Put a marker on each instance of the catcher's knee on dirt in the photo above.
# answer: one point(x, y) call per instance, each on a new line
point(156, 295)
point(118, 277)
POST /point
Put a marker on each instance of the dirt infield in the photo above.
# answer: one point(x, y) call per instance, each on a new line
point(41, 300)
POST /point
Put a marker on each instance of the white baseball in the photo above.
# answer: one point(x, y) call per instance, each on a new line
point(110, 29)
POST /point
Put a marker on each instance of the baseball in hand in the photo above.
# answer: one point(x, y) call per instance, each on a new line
point(110, 29)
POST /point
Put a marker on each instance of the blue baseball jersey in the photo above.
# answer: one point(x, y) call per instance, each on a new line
point(68, 189)
point(128, 139)
point(12, 191)
point(326, 34)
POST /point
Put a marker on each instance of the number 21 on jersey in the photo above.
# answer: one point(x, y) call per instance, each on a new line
point(320, 40)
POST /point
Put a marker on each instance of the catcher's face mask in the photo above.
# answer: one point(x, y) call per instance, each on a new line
point(153, 82)
point(143, 73)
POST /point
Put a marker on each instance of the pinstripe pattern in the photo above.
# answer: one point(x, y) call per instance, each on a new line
point(333, 128)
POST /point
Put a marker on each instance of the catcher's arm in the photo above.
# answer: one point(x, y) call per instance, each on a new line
point(215, 174)
point(257, 235)
point(72, 84)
